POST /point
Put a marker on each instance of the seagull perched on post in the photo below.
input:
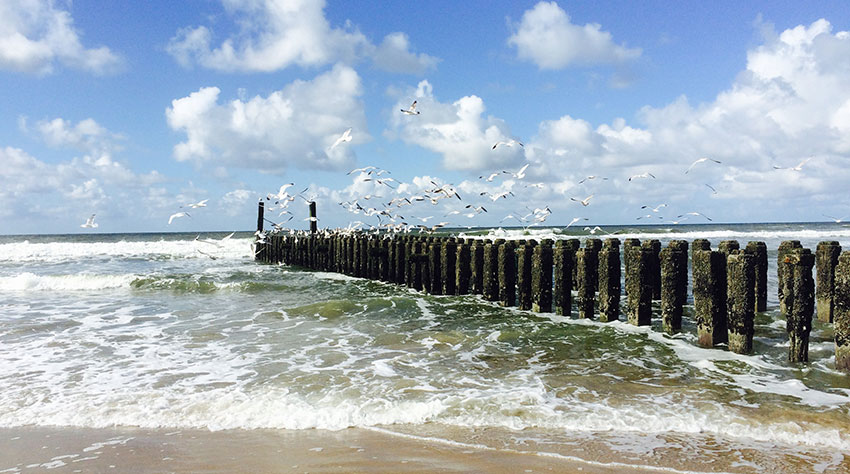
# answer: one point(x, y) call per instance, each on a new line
point(346, 137)
point(90, 223)
point(411, 110)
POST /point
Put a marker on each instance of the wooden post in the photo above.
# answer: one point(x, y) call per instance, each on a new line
point(655, 266)
point(709, 268)
point(826, 257)
point(490, 286)
point(260, 215)
point(419, 265)
point(448, 265)
point(639, 289)
point(463, 270)
point(674, 284)
point(609, 280)
point(740, 300)
point(507, 274)
point(587, 260)
point(572, 245)
point(563, 276)
point(313, 219)
point(477, 264)
point(541, 277)
point(784, 248)
point(759, 251)
point(524, 255)
point(799, 301)
point(727, 246)
point(841, 312)
point(628, 258)
point(434, 285)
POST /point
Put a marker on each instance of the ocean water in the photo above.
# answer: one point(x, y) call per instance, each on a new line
point(184, 331)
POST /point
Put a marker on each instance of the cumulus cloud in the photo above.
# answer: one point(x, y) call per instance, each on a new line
point(294, 126)
point(35, 35)
point(458, 131)
point(547, 37)
point(276, 34)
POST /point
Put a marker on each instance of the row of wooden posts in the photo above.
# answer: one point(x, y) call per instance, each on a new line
point(729, 284)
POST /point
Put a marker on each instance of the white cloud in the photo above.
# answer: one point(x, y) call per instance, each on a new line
point(546, 37)
point(276, 34)
point(294, 126)
point(393, 55)
point(458, 131)
point(34, 35)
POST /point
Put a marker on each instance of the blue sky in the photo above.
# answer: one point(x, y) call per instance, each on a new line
point(130, 110)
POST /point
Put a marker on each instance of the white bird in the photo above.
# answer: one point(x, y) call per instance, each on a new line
point(346, 137)
point(799, 167)
point(700, 161)
point(592, 177)
point(367, 169)
point(576, 219)
point(477, 209)
point(178, 214)
point(282, 194)
point(411, 110)
point(593, 230)
point(495, 197)
point(654, 209)
point(197, 204)
point(90, 223)
point(837, 220)
point(693, 214)
point(519, 174)
point(510, 142)
point(584, 202)
point(490, 177)
point(642, 175)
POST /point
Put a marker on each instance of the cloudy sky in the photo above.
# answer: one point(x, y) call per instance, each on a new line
point(130, 110)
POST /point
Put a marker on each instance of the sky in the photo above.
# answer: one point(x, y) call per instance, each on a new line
point(133, 111)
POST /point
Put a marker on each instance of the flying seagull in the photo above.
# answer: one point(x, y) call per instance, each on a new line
point(411, 110)
point(711, 188)
point(584, 202)
point(178, 214)
point(197, 204)
point(642, 175)
point(799, 167)
point(576, 219)
point(90, 223)
point(346, 137)
point(592, 177)
point(510, 142)
point(700, 161)
point(519, 174)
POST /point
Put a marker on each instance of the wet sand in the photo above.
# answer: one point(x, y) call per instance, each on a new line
point(131, 450)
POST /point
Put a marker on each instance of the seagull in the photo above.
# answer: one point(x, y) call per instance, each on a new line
point(90, 223)
point(280, 194)
point(495, 197)
point(592, 177)
point(197, 204)
point(367, 169)
point(711, 188)
point(576, 219)
point(799, 167)
point(584, 202)
point(346, 137)
point(642, 175)
point(490, 177)
point(477, 209)
point(519, 174)
point(178, 214)
point(693, 214)
point(838, 220)
point(593, 230)
point(411, 110)
point(510, 142)
point(700, 161)
point(654, 209)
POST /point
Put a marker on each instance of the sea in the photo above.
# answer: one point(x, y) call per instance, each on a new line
point(185, 330)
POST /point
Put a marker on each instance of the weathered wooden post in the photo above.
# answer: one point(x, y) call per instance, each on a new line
point(841, 312)
point(434, 285)
point(709, 268)
point(655, 266)
point(477, 267)
point(448, 265)
point(784, 247)
point(572, 245)
point(740, 300)
point(314, 224)
point(524, 254)
point(609, 280)
point(674, 284)
point(727, 246)
point(628, 258)
point(490, 283)
point(258, 247)
point(463, 268)
point(826, 257)
point(588, 277)
point(541, 277)
point(260, 215)
point(759, 251)
point(639, 289)
point(507, 264)
point(799, 292)
point(419, 265)
point(563, 276)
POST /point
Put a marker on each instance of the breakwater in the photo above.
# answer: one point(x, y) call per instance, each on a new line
point(605, 279)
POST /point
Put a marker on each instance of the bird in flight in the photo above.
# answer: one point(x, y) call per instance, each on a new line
point(346, 137)
point(642, 175)
point(692, 214)
point(837, 220)
point(711, 188)
point(592, 177)
point(177, 215)
point(510, 142)
point(519, 174)
point(576, 219)
point(490, 177)
point(197, 204)
point(90, 223)
point(411, 110)
point(654, 209)
point(799, 167)
point(700, 161)
point(584, 202)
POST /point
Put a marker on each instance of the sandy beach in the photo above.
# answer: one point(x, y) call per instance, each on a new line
point(56, 449)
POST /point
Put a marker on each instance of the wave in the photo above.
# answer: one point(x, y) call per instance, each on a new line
point(87, 282)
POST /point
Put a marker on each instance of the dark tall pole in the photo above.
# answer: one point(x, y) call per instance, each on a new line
point(313, 220)
point(260, 215)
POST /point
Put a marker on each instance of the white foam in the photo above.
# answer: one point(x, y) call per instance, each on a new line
point(27, 281)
